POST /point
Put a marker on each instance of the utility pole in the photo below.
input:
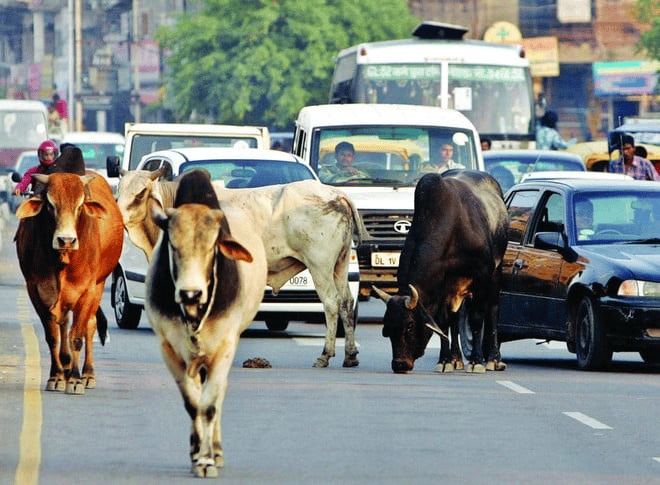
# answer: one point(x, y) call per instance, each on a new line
point(136, 59)
point(72, 84)
point(78, 26)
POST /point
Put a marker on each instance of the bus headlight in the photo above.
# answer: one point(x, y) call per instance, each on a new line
point(639, 288)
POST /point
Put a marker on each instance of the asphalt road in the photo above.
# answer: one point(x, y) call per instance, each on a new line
point(540, 422)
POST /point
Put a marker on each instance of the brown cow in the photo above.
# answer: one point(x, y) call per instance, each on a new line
point(68, 241)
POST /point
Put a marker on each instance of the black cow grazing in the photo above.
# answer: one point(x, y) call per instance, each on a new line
point(204, 285)
point(451, 257)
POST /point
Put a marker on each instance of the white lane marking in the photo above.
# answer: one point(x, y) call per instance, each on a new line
point(29, 461)
point(587, 420)
point(515, 387)
point(657, 458)
point(317, 342)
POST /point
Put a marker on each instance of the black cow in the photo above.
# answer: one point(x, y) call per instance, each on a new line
point(451, 258)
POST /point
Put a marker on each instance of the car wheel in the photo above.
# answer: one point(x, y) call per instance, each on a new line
point(593, 351)
point(127, 314)
point(277, 324)
point(650, 356)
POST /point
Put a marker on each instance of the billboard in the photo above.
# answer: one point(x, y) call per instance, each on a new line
point(626, 78)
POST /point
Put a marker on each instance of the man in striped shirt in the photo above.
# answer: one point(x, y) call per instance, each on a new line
point(637, 167)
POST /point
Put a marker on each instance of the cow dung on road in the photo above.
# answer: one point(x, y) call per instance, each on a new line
point(257, 363)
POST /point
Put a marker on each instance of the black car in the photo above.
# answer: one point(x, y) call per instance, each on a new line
point(583, 266)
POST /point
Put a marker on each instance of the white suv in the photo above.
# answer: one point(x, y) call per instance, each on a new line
point(394, 146)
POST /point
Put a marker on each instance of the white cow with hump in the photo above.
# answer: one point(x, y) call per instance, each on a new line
point(303, 224)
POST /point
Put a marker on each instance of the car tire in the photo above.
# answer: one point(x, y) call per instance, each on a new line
point(277, 324)
point(591, 347)
point(127, 314)
point(650, 356)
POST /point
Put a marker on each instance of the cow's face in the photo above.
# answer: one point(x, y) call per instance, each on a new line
point(133, 195)
point(64, 200)
point(197, 236)
point(404, 323)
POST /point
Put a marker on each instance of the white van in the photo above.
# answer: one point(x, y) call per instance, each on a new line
point(394, 146)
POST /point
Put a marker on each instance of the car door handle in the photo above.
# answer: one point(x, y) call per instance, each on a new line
point(518, 264)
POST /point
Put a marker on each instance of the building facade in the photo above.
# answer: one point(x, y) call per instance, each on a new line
point(101, 57)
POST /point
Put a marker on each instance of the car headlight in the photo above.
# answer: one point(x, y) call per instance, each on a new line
point(639, 288)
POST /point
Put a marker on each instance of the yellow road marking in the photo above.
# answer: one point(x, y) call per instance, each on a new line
point(29, 461)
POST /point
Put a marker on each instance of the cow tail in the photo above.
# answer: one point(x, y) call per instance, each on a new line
point(101, 325)
point(357, 221)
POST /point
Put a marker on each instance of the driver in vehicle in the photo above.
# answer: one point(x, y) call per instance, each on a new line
point(343, 168)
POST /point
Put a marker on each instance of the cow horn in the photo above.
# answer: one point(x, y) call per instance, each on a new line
point(411, 303)
point(381, 294)
point(156, 173)
point(433, 326)
point(122, 172)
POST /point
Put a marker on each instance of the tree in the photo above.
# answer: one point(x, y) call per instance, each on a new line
point(648, 12)
point(259, 62)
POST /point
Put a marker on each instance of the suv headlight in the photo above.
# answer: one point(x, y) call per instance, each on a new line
point(639, 288)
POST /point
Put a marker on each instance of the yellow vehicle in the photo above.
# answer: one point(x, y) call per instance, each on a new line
point(596, 158)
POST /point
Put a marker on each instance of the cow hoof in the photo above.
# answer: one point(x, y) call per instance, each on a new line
point(203, 470)
point(322, 361)
point(459, 365)
point(496, 365)
point(55, 384)
point(476, 369)
point(351, 362)
point(75, 387)
point(90, 382)
point(219, 461)
point(445, 367)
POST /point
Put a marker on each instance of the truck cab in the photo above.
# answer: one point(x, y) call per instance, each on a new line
point(393, 145)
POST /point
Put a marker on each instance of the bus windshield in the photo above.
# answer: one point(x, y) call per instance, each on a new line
point(388, 155)
point(497, 99)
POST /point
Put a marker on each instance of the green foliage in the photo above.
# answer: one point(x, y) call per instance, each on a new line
point(648, 12)
point(258, 62)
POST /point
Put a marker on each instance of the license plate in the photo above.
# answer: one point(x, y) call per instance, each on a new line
point(302, 281)
point(385, 260)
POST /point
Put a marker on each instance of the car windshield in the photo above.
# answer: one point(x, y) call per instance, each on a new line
point(632, 217)
point(251, 173)
point(388, 155)
point(95, 154)
point(509, 170)
point(144, 144)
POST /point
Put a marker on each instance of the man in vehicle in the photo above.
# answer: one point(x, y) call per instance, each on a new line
point(630, 164)
point(343, 168)
point(446, 160)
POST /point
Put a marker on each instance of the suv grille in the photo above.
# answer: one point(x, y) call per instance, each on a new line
point(382, 225)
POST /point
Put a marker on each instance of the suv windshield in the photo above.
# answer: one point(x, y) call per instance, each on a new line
point(388, 155)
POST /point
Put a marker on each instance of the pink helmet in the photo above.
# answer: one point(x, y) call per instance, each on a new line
point(47, 147)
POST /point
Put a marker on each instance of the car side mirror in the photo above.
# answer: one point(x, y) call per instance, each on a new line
point(552, 241)
point(16, 177)
point(112, 166)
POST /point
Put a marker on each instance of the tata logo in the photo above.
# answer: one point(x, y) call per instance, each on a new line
point(402, 226)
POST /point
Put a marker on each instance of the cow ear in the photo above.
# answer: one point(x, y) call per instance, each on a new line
point(94, 209)
point(232, 249)
point(30, 208)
